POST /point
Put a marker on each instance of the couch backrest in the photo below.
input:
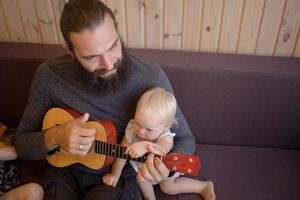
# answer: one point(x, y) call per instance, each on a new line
point(233, 107)
point(15, 80)
point(227, 99)
point(236, 99)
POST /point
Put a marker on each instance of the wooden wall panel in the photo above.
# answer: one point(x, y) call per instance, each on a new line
point(211, 25)
point(231, 22)
point(46, 21)
point(250, 26)
point(255, 27)
point(118, 7)
point(297, 47)
point(58, 6)
point(172, 24)
point(13, 20)
point(153, 24)
point(289, 29)
point(135, 23)
point(4, 35)
point(192, 20)
point(30, 22)
point(269, 30)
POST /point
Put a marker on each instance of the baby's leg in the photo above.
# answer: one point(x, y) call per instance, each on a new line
point(30, 191)
point(188, 185)
point(146, 187)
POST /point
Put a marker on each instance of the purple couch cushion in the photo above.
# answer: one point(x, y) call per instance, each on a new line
point(249, 173)
point(240, 107)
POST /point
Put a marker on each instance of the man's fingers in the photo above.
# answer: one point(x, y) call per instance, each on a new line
point(86, 132)
point(161, 167)
point(145, 174)
point(85, 140)
point(82, 119)
point(152, 168)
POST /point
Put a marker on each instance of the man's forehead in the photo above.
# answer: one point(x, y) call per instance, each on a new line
point(96, 40)
point(91, 43)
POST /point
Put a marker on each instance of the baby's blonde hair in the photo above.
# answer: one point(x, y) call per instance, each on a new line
point(161, 102)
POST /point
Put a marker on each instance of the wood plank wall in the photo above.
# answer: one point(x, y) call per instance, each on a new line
point(256, 27)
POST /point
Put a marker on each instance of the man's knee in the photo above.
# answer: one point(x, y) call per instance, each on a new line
point(103, 192)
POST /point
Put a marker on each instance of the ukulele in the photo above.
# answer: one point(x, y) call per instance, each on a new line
point(105, 150)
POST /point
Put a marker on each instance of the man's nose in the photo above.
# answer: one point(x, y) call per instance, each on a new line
point(105, 62)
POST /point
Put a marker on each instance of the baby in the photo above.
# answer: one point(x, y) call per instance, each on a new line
point(149, 131)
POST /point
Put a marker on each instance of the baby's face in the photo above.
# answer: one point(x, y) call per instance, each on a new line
point(148, 127)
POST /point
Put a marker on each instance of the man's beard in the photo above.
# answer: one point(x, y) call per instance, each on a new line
point(109, 85)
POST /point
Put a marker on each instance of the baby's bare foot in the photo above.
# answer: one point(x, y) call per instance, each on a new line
point(207, 191)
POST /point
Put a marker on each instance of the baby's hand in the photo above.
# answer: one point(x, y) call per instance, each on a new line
point(138, 149)
point(111, 179)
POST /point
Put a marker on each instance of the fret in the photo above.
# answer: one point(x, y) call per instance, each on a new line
point(96, 146)
point(121, 152)
point(109, 150)
point(106, 148)
point(124, 154)
point(99, 147)
point(113, 147)
point(102, 148)
point(115, 150)
point(118, 151)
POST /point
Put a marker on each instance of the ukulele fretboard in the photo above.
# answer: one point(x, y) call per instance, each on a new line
point(115, 150)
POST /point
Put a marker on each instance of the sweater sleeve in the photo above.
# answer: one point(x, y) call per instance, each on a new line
point(184, 141)
point(29, 140)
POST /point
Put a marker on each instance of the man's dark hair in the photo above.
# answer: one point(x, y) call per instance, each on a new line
point(79, 15)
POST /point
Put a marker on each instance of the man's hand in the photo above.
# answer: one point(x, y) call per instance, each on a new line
point(71, 137)
point(111, 179)
point(154, 170)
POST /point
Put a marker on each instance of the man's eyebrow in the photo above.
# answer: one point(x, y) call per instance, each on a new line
point(90, 56)
point(115, 42)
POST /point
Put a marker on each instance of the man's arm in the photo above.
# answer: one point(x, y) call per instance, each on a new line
point(29, 140)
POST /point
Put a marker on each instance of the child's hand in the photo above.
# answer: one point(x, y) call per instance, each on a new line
point(2, 129)
point(138, 149)
point(111, 179)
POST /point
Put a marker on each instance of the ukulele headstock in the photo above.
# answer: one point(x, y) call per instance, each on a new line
point(184, 163)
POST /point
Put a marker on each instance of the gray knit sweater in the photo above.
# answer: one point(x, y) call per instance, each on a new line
point(57, 83)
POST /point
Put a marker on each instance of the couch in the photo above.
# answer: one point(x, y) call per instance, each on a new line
point(243, 110)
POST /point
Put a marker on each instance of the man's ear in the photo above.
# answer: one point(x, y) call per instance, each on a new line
point(65, 46)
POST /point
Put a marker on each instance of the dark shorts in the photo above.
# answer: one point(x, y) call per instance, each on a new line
point(9, 177)
point(74, 184)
